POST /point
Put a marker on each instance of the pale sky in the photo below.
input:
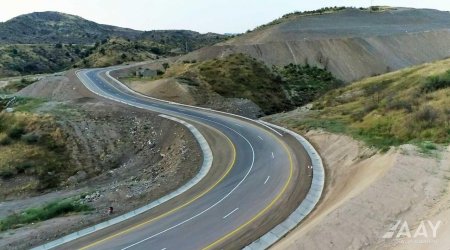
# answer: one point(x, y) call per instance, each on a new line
point(225, 16)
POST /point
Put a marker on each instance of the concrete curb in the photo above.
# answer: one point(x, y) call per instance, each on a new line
point(307, 205)
point(204, 169)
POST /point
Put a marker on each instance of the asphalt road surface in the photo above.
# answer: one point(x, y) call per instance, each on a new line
point(266, 179)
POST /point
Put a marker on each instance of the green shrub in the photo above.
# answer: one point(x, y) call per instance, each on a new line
point(22, 167)
point(48, 211)
point(6, 174)
point(437, 82)
point(427, 114)
point(16, 132)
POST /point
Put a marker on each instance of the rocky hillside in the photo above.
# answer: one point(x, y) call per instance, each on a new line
point(351, 43)
point(55, 27)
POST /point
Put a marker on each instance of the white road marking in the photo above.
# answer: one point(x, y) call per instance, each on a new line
point(237, 125)
point(215, 204)
point(273, 156)
point(230, 213)
point(260, 122)
point(164, 249)
point(260, 138)
point(268, 177)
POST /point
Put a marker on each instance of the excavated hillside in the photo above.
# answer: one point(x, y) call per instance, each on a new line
point(350, 43)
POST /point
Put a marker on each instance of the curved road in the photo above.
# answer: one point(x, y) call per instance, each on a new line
point(266, 180)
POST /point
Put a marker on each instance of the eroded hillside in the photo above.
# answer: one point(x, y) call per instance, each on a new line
point(350, 43)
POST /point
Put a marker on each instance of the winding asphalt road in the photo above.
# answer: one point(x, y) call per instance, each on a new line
point(266, 180)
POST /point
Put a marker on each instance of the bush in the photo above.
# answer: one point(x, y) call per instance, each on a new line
point(427, 114)
point(16, 132)
point(399, 104)
point(48, 211)
point(6, 174)
point(437, 82)
point(22, 167)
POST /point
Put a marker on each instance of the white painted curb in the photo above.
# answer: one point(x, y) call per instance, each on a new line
point(307, 205)
point(204, 169)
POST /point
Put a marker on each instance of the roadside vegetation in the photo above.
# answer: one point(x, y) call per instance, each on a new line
point(42, 213)
point(240, 76)
point(33, 156)
point(407, 106)
point(14, 86)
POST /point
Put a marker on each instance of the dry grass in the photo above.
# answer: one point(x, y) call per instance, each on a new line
point(389, 109)
point(32, 153)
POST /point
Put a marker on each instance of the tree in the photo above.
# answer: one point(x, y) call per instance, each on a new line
point(58, 45)
point(102, 51)
point(165, 65)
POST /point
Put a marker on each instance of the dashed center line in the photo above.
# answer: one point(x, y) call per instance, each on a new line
point(273, 156)
point(230, 213)
point(260, 138)
point(164, 249)
point(268, 177)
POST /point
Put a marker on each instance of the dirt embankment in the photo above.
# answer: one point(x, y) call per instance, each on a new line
point(183, 91)
point(351, 44)
point(366, 192)
point(120, 157)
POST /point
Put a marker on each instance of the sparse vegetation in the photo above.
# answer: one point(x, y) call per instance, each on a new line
point(17, 85)
point(241, 76)
point(407, 106)
point(320, 11)
point(305, 83)
point(39, 143)
point(48, 211)
point(434, 83)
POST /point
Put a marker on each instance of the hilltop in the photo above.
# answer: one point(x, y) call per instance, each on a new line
point(56, 27)
point(46, 42)
point(350, 43)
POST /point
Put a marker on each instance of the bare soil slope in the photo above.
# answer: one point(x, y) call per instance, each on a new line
point(366, 192)
point(352, 43)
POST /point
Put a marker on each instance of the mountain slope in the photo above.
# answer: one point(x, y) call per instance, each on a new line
point(54, 27)
point(184, 40)
point(406, 106)
point(350, 43)
point(45, 42)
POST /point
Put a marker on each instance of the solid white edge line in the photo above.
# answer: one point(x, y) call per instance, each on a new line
point(215, 204)
point(306, 206)
point(204, 170)
point(108, 74)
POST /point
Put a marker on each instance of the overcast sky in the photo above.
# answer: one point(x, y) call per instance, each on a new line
point(225, 16)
